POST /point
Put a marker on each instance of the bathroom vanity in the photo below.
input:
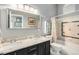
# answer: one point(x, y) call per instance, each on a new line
point(38, 49)
point(33, 46)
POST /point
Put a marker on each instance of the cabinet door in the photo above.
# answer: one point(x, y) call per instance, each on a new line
point(47, 48)
point(41, 49)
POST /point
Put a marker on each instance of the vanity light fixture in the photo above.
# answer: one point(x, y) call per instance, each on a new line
point(25, 7)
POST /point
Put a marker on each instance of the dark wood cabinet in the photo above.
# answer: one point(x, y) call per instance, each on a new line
point(38, 49)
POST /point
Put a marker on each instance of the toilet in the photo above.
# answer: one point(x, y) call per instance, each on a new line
point(57, 49)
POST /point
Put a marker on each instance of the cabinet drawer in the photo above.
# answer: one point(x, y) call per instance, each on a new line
point(22, 51)
point(32, 50)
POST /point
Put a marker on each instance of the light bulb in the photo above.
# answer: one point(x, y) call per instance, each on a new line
point(13, 6)
point(31, 9)
point(26, 7)
point(20, 6)
point(36, 11)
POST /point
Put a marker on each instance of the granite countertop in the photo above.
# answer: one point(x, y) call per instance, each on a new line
point(19, 44)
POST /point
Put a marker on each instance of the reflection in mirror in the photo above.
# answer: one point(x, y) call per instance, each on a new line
point(47, 27)
point(16, 21)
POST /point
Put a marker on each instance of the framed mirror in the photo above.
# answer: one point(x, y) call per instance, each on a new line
point(22, 20)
